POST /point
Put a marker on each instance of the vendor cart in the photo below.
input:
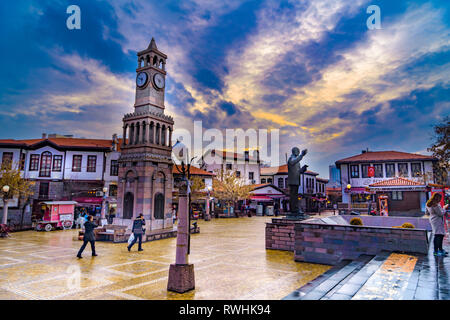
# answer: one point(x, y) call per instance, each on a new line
point(57, 215)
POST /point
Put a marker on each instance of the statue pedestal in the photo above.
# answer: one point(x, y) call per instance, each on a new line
point(181, 278)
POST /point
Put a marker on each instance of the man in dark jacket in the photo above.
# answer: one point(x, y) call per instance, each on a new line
point(137, 230)
point(89, 236)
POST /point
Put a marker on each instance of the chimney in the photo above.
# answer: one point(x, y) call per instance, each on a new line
point(115, 141)
point(44, 136)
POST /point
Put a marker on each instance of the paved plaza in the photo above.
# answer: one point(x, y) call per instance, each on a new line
point(230, 261)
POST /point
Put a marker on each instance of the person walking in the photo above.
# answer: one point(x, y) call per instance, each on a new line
point(138, 231)
point(437, 213)
point(89, 236)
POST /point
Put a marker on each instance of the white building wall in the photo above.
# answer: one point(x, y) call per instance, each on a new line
point(55, 175)
point(83, 175)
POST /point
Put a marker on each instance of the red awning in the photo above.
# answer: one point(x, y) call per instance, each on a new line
point(89, 200)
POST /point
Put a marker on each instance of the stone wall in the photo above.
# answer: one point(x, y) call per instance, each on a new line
point(280, 234)
point(329, 244)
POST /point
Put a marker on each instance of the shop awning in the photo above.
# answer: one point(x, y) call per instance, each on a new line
point(261, 198)
point(89, 200)
point(356, 190)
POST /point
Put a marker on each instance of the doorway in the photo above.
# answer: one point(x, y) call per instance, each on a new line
point(159, 206)
point(128, 204)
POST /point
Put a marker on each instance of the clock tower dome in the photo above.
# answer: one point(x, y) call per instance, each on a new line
point(145, 163)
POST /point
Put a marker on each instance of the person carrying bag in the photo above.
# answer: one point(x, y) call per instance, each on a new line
point(137, 232)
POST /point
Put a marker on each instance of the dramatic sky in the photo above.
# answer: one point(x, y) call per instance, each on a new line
point(311, 69)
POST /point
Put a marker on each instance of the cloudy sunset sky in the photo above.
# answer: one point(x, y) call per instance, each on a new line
point(311, 69)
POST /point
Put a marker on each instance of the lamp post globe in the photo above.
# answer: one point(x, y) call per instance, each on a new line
point(5, 188)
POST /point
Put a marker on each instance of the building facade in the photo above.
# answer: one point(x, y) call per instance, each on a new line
point(312, 189)
point(402, 178)
point(245, 166)
point(62, 168)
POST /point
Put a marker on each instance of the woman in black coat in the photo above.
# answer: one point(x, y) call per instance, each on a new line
point(89, 236)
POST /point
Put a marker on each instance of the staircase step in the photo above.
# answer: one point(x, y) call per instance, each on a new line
point(355, 281)
point(307, 288)
point(327, 286)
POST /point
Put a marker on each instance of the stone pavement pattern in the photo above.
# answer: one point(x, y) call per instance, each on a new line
point(229, 257)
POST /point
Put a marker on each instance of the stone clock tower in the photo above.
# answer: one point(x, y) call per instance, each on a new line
point(145, 164)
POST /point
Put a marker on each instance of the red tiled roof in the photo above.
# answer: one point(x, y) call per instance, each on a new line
point(65, 142)
point(322, 180)
point(395, 182)
point(385, 156)
point(194, 170)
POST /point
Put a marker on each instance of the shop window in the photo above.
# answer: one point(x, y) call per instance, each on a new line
point(251, 175)
point(76, 162)
point(228, 166)
point(397, 195)
point(92, 164)
point(270, 180)
point(403, 169)
point(57, 163)
point(365, 170)
point(112, 190)
point(390, 170)
point(263, 180)
point(354, 171)
point(238, 174)
point(34, 162)
point(378, 170)
point(416, 169)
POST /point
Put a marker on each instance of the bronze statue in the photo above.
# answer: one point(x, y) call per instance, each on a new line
point(294, 174)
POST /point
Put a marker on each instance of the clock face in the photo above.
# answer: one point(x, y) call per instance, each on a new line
point(159, 81)
point(141, 79)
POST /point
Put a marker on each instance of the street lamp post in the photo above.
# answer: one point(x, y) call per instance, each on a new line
point(349, 198)
point(181, 273)
point(5, 190)
point(103, 213)
point(207, 215)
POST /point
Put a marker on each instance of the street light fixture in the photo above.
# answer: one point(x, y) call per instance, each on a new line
point(103, 213)
point(181, 273)
point(208, 200)
point(349, 186)
point(5, 189)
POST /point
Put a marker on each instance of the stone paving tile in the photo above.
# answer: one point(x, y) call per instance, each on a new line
point(229, 257)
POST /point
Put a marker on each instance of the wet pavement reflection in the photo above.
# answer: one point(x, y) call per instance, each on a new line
point(229, 256)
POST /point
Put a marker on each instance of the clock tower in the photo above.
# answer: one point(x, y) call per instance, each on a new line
point(150, 79)
point(145, 163)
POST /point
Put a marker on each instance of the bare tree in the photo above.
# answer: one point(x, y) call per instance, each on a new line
point(16, 186)
point(441, 150)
